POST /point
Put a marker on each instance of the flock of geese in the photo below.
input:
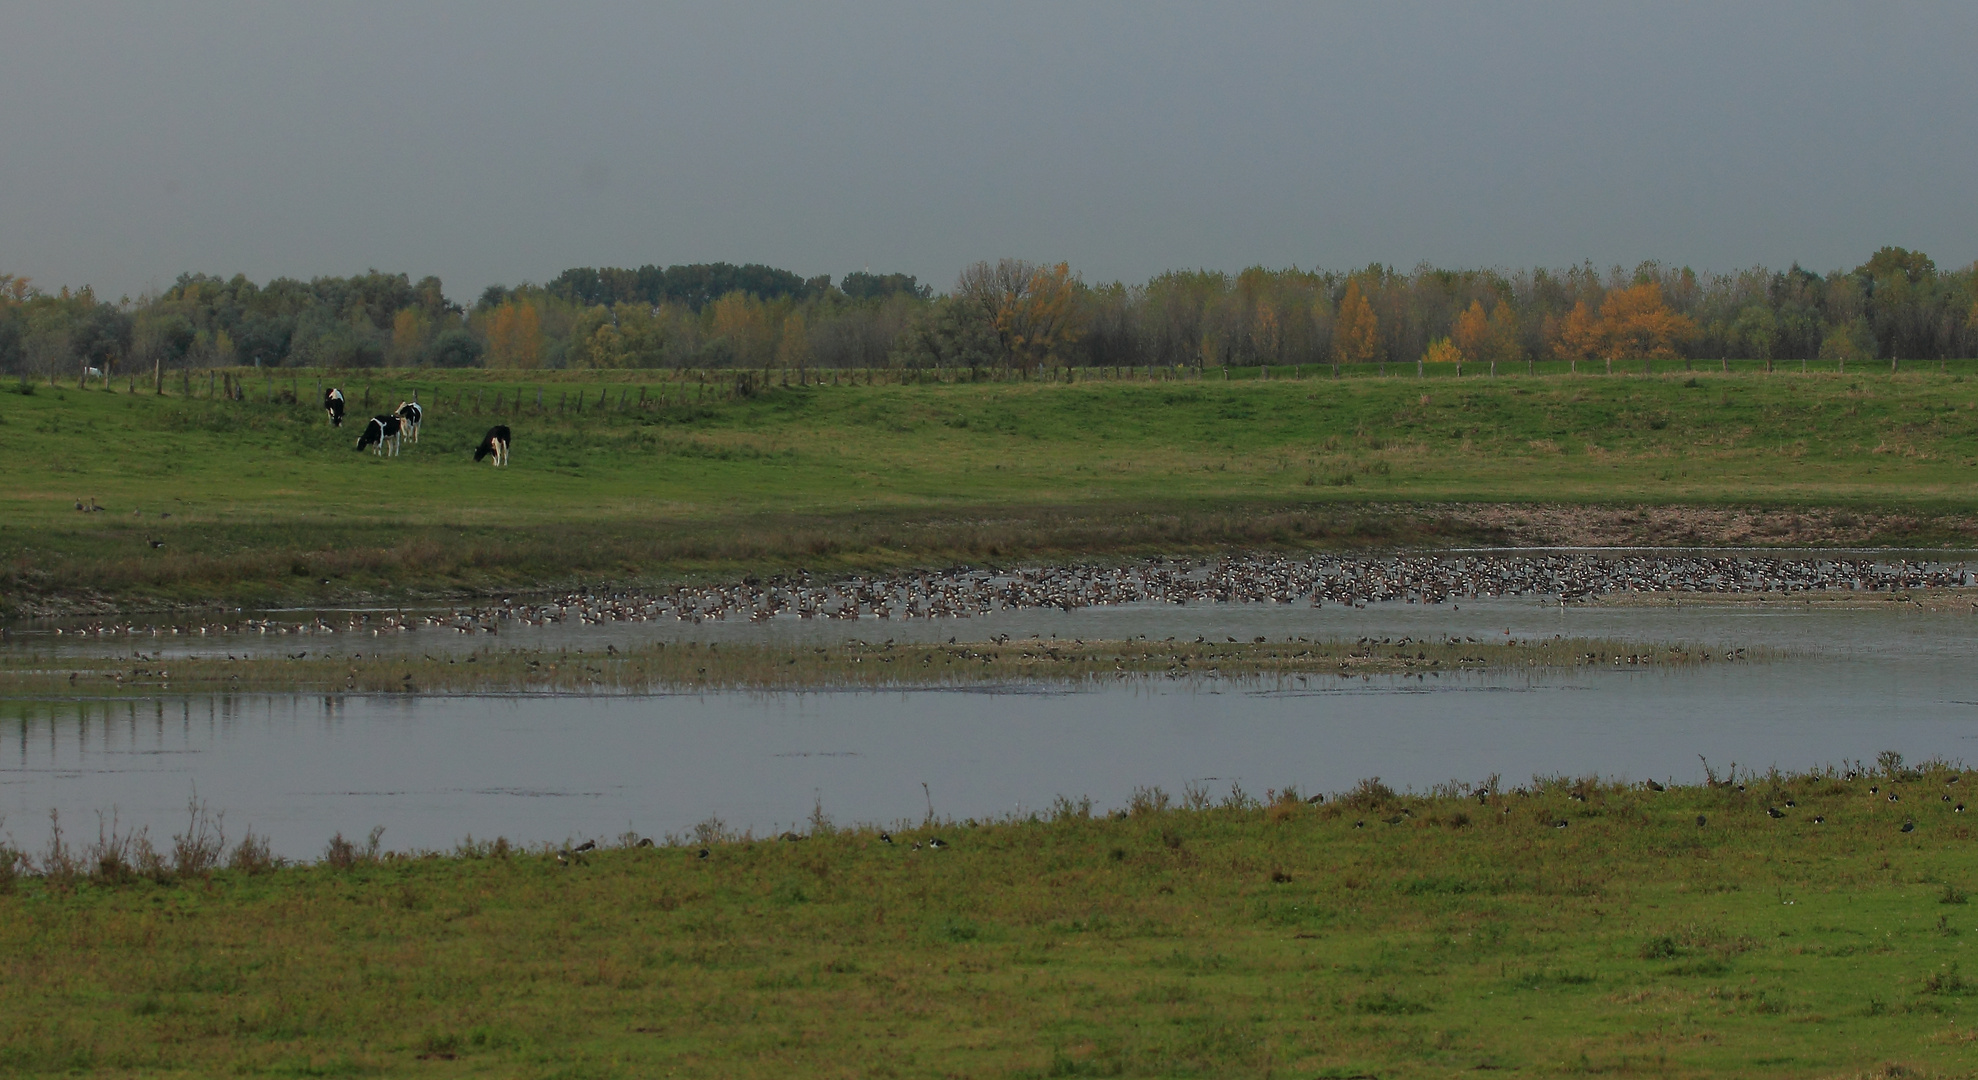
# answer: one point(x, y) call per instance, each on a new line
point(1349, 580)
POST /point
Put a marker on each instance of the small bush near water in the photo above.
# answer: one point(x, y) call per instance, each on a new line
point(1363, 933)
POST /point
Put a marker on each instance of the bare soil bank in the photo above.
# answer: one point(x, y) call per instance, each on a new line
point(1560, 525)
point(538, 560)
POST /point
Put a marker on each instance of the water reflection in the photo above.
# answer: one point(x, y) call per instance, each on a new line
point(433, 770)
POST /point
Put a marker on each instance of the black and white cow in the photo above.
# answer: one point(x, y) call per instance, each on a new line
point(495, 442)
point(409, 414)
point(333, 404)
point(382, 433)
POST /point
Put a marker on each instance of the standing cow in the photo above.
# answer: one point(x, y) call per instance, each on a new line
point(383, 433)
point(409, 414)
point(495, 443)
point(333, 404)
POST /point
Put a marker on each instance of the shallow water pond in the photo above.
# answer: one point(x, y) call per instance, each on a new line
point(432, 770)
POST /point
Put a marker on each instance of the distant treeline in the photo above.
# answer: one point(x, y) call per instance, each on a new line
point(1009, 314)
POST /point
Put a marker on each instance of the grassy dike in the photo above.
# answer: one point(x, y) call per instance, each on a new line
point(662, 477)
point(1683, 932)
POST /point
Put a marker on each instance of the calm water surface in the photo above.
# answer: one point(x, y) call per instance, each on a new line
point(434, 769)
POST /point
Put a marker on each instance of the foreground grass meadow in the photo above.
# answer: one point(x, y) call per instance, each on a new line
point(662, 475)
point(1563, 927)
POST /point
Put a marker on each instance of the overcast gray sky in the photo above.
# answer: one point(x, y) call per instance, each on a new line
point(497, 142)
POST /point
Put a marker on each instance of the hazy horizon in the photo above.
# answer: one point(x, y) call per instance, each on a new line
point(496, 143)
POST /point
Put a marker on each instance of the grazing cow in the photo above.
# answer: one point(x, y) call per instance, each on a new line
point(383, 433)
point(495, 442)
point(409, 414)
point(333, 404)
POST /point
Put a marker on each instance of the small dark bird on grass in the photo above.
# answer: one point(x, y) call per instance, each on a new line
point(937, 843)
point(1653, 786)
point(1701, 821)
point(1790, 802)
point(1560, 824)
point(1359, 824)
point(563, 858)
point(1947, 798)
point(1909, 826)
point(1819, 820)
point(645, 841)
point(915, 847)
point(702, 855)
point(1395, 820)
point(1874, 789)
point(1958, 809)
point(587, 845)
point(1893, 797)
point(1774, 812)
point(157, 543)
point(885, 838)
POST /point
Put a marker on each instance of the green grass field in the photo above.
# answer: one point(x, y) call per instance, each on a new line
point(266, 502)
point(1376, 935)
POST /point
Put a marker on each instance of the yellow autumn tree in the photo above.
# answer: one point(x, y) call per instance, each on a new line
point(408, 337)
point(603, 344)
point(1472, 331)
point(515, 336)
point(1355, 332)
point(1578, 335)
point(1267, 333)
point(742, 321)
point(793, 347)
point(1637, 324)
point(1504, 343)
point(1042, 323)
point(1444, 351)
